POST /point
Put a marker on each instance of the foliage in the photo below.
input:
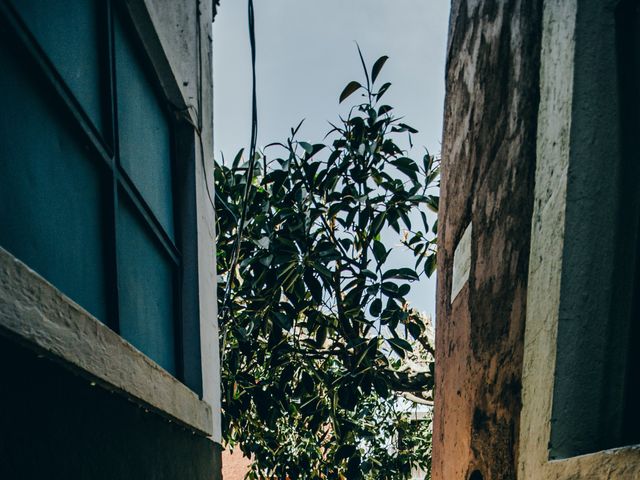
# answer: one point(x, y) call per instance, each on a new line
point(318, 339)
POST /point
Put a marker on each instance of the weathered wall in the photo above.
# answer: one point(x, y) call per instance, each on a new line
point(234, 465)
point(55, 425)
point(76, 401)
point(178, 34)
point(488, 170)
point(570, 111)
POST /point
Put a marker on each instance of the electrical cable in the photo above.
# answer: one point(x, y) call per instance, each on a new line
point(252, 161)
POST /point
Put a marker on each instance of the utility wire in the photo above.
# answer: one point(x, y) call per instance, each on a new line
point(252, 162)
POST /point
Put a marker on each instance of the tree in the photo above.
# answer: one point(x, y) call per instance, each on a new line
point(318, 340)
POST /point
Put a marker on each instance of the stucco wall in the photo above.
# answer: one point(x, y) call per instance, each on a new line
point(178, 35)
point(77, 401)
point(234, 465)
point(556, 171)
point(56, 425)
point(488, 170)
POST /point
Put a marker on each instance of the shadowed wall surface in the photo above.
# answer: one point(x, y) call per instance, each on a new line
point(488, 171)
point(55, 425)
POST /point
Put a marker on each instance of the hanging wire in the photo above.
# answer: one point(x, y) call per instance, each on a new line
point(250, 169)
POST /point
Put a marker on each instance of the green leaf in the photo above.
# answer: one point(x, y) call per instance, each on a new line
point(430, 265)
point(321, 335)
point(377, 224)
point(307, 147)
point(349, 89)
point(433, 203)
point(376, 307)
point(315, 287)
point(425, 223)
point(400, 346)
point(383, 90)
point(237, 158)
point(384, 109)
point(377, 67)
point(364, 66)
point(368, 273)
point(344, 451)
point(414, 330)
point(307, 382)
point(408, 128)
point(427, 162)
point(294, 131)
point(406, 166)
point(347, 397)
point(379, 251)
point(381, 387)
point(282, 320)
point(401, 273)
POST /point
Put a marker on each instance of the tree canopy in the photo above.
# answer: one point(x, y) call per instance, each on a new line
point(320, 347)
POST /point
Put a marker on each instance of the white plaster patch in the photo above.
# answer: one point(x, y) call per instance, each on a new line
point(461, 263)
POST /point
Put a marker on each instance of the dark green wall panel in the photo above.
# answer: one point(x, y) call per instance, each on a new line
point(51, 189)
point(146, 288)
point(71, 35)
point(143, 129)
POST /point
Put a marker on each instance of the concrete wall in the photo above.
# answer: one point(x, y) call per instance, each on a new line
point(56, 425)
point(76, 400)
point(178, 37)
point(532, 121)
point(569, 124)
point(234, 465)
point(488, 169)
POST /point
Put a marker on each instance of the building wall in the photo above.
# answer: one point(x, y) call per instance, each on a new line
point(76, 399)
point(488, 161)
point(234, 465)
point(56, 425)
point(532, 359)
point(181, 34)
point(576, 128)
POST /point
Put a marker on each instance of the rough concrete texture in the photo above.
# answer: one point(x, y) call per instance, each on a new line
point(545, 267)
point(56, 426)
point(178, 37)
point(488, 170)
point(615, 464)
point(33, 311)
point(547, 233)
point(234, 465)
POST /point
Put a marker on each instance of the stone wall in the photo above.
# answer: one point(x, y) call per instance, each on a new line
point(488, 162)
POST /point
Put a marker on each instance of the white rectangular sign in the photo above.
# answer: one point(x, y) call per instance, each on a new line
point(461, 263)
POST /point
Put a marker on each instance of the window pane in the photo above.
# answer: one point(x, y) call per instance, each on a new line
point(69, 33)
point(51, 192)
point(144, 133)
point(146, 290)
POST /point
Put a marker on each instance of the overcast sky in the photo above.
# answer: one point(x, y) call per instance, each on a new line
point(306, 54)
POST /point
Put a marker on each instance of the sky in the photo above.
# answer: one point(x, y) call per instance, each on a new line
point(306, 54)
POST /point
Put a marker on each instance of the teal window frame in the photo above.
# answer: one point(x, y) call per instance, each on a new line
point(102, 138)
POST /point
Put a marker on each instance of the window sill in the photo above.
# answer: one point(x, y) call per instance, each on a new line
point(623, 462)
point(36, 313)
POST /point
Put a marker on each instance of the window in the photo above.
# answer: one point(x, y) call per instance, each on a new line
point(597, 382)
point(88, 196)
point(579, 371)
